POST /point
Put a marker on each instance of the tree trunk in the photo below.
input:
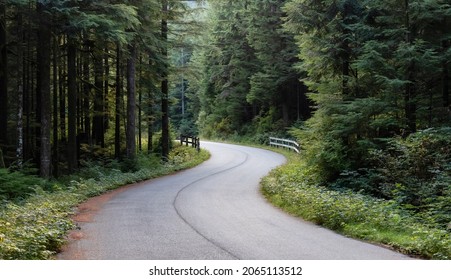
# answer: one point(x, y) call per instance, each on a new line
point(149, 112)
point(99, 110)
point(131, 104)
point(55, 106)
point(445, 82)
point(72, 148)
point(117, 127)
point(20, 97)
point(19, 127)
point(3, 78)
point(2, 162)
point(445, 89)
point(28, 147)
point(149, 134)
point(410, 88)
point(106, 89)
point(286, 108)
point(43, 68)
point(87, 91)
point(165, 86)
point(62, 98)
point(140, 148)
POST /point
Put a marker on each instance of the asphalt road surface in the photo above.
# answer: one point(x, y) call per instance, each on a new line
point(213, 211)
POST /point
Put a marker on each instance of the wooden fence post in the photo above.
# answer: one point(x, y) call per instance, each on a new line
point(195, 141)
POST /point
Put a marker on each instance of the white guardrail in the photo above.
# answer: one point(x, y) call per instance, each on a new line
point(290, 144)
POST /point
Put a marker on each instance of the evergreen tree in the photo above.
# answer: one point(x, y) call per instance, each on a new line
point(277, 82)
point(43, 89)
point(3, 78)
point(325, 32)
point(229, 63)
point(249, 83)
point(373, 69)
point(164, 83)
point(131, 103)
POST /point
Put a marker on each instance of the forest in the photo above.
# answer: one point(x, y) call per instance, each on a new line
point(363, 86)
point(85, 80)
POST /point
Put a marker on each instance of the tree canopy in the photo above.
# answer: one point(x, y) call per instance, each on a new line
point(90, 64)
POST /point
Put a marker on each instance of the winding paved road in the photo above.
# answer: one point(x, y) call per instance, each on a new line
point(213, 211)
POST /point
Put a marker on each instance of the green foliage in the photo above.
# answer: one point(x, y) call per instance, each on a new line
point(96, 36)
point(367, 80)
point(35, 228)
point(246, 71)
point(414, 171)
point(18, 185)
point(185, 157)
point(385, 221)
point(188, 127)
point(157, 141)
point(416, 168)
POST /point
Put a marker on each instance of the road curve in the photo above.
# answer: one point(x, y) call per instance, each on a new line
point(213, 211)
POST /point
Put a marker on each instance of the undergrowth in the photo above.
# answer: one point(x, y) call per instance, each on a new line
point(35, 226)
point(354, 214)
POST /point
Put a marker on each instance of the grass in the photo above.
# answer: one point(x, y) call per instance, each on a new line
point(355, 215)
point(35, 227)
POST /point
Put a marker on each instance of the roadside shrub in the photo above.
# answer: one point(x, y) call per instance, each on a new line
point(17, 185)
point(355, 214)
point(416, 170)
point(35, 227)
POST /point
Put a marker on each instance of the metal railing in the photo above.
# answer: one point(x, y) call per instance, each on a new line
point(194, 141)
point(285, 143)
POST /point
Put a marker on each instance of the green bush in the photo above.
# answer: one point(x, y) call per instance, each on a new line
point(35, 227)
point(18, 185)
point(415, 172)
point(355, 214)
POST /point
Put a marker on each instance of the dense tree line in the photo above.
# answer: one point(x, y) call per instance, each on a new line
point(80, 79)
point(377, 78)
point(389, 59)
point(378, 72)
point(376, 69)
point(247, 82)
